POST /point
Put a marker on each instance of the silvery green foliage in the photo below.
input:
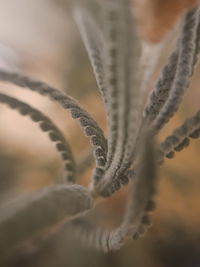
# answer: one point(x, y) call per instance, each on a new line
point(90, 126)
point(40, 210)
point(136, 217)
point(176, 75)
point(46, 125)
point(117, 61)
point(129, 152)
point(180, 138)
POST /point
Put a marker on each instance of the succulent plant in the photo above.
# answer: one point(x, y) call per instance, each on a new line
point(130, 152)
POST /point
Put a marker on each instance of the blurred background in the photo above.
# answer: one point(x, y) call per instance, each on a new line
point(39, 38)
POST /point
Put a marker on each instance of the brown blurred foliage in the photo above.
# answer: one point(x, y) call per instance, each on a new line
point(157, 17)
